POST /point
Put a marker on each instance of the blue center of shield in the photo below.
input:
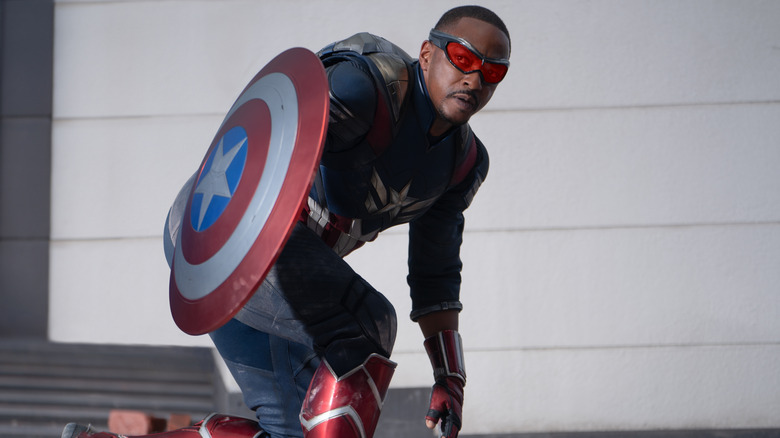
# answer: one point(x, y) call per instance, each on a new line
point(219, 178)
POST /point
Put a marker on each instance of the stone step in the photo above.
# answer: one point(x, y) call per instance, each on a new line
point(131, 357)
point(30, 430)
point(44, 370)
point(144, 402)
point(44, 386)
point(82, 384)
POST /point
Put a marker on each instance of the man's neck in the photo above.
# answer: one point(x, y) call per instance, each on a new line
point(439, 128)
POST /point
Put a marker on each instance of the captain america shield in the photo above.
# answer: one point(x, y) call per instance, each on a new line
point(249, 191)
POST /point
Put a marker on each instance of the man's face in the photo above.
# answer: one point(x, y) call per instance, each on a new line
point(457, 96)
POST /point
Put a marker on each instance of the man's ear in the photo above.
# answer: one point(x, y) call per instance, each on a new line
point(426, 51)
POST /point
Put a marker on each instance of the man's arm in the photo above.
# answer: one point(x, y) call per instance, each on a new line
point(436, 322)
point(443, 345)
point(434, 245)
point(434, 279)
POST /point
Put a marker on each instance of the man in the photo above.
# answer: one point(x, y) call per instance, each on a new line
point(311, 348)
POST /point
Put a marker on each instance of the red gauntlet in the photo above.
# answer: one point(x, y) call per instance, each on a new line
point(446, 354)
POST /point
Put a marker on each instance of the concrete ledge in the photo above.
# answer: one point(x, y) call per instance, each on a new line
point(736, 433)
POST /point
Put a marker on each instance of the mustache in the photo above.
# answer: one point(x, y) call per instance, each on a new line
point(471, 93)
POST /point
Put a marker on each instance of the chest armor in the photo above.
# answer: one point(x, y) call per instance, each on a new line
point(394, 173)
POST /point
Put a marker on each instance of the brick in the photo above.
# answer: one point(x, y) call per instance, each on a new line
point(178, 421)
point(127, 422)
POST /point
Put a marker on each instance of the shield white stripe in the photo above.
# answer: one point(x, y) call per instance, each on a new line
point(278, 92)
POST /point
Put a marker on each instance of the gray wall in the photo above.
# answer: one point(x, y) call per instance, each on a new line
point(26, 48)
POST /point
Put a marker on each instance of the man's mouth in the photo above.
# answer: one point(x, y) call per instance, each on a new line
point(466, 99)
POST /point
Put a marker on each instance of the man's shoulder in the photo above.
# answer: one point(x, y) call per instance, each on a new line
point(384, 60)
point(389, 65)
point(362, 43)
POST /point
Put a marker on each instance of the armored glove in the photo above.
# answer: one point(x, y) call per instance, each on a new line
point(446, 354)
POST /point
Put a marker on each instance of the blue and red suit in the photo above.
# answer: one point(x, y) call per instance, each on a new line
point(380, 168)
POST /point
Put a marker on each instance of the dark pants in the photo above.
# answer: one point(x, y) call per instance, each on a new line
point(312, 305)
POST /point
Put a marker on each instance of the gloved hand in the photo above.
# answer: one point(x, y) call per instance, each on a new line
point(447, 406)
point(446, 354)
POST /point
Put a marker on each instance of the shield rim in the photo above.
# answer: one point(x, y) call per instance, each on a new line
point(203, 315)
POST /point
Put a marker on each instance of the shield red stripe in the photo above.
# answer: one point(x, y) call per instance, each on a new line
point(254, 117)
point(202, 315)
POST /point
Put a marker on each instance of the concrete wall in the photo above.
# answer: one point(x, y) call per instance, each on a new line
point(621, 260)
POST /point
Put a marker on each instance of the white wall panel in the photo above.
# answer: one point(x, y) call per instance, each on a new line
point(593, 389)
point(623, 389)
point(680, 165)
point(193, 57)
point(118, 177)
point(622, 287)
point(112, 291)
point(617, 53)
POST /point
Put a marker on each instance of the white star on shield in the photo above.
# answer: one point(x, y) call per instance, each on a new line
point(214, 182)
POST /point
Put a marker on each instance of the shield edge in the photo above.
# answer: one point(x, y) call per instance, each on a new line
point(203, 315)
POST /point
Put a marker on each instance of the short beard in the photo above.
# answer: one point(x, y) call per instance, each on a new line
point(444, 117)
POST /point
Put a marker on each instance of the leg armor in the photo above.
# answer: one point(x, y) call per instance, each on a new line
point(346, 406)
point(313, 297)
point(214, 426)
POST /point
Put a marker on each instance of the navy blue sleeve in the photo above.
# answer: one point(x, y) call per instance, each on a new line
point(352, 103)
point(434, 246)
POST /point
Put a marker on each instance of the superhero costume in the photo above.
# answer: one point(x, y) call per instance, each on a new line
point(380, 168)
point(315, 334)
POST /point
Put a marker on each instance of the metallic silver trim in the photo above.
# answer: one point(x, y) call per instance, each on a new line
point(335, 413)
point(202, 431)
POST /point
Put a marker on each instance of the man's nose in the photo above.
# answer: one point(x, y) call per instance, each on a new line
point(473, 80)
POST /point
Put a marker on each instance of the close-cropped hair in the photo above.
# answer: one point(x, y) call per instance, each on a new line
point(472, 11)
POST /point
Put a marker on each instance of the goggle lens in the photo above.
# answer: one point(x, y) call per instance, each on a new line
point(468, 62)
point(463, 58)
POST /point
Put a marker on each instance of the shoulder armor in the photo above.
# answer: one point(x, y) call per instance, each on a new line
point(361, 43)
point(387, 61)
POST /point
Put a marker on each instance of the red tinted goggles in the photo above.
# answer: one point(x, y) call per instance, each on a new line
point(463, 56)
